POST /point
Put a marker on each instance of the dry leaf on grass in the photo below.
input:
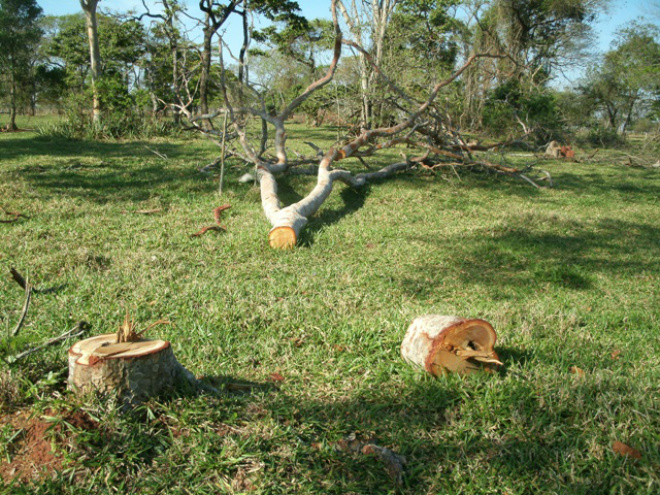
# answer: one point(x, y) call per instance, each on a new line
point(615, 354)
point(576, 371)
point(626, 450)
point(276, 377)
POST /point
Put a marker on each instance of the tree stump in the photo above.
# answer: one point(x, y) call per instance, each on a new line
point(135, 371)
point(441, 344)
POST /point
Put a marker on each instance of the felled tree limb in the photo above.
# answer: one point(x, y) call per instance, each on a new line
point(439, 344)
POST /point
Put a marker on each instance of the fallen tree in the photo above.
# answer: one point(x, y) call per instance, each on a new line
point(426, 127)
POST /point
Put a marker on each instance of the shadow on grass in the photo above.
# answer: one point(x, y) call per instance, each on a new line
point(522, 258)
point(410, 422)
point(13, 148)
point(353, 200)
point(112, 183)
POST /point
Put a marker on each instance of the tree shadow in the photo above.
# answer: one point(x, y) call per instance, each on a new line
point(523, 258)
point(353, 200)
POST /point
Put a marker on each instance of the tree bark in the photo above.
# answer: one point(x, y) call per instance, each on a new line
point(89, 7)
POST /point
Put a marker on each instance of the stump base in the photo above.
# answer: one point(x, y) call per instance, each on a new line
point(135, 371)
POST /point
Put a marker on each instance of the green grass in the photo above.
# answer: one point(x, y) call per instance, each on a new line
point(566, 276)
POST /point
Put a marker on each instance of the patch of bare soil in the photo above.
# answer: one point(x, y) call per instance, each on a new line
point(31, 453)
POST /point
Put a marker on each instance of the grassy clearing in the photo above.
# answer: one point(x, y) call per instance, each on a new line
point(567, 276)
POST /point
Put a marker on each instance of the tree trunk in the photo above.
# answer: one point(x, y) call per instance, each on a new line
point(207, 51)
point(12, 112)
point(447, 343)
point(134, 371)
point(89, 7)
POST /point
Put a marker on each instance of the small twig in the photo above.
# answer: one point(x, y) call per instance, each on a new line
point(149, 212)
point(547, 177)
point(14, 214)
point(28, 297)
point(161, 155)
point(522, 176)
point(204, 230)
point(80, 328)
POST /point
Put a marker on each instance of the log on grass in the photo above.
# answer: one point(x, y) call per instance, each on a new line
point(134, 371)
point(441, 344)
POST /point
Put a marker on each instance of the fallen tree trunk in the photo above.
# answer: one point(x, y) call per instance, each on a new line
point(288, 222)
point(441, 344)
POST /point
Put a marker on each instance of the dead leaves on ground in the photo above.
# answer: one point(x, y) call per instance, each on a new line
point(394, 463)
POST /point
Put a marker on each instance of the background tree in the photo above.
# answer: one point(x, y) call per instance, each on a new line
point(20, 33)
point(628, 79)
point(89, 8)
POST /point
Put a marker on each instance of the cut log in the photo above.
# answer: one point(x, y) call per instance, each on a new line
point(441, 344)
point(553, 150)
point(134, 371)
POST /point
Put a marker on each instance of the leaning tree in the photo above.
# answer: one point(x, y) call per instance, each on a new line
point(425, 126)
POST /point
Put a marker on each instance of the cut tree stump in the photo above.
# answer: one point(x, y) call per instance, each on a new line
point(441, 344)
point(135, 371)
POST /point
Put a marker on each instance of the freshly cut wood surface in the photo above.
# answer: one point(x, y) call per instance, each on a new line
point(440, 343)
point(106, 346)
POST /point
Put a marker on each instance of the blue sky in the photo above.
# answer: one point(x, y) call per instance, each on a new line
point(619, 13)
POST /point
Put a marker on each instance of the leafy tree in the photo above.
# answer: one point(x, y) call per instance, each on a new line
point(628, 79)
point(122, 44)
point(19, 37)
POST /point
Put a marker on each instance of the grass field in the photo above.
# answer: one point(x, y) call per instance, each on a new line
point(568, 276)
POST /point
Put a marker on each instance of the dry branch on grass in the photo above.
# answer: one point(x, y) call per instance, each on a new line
point(14, 214)
point(25, 285)
point(217, 212)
